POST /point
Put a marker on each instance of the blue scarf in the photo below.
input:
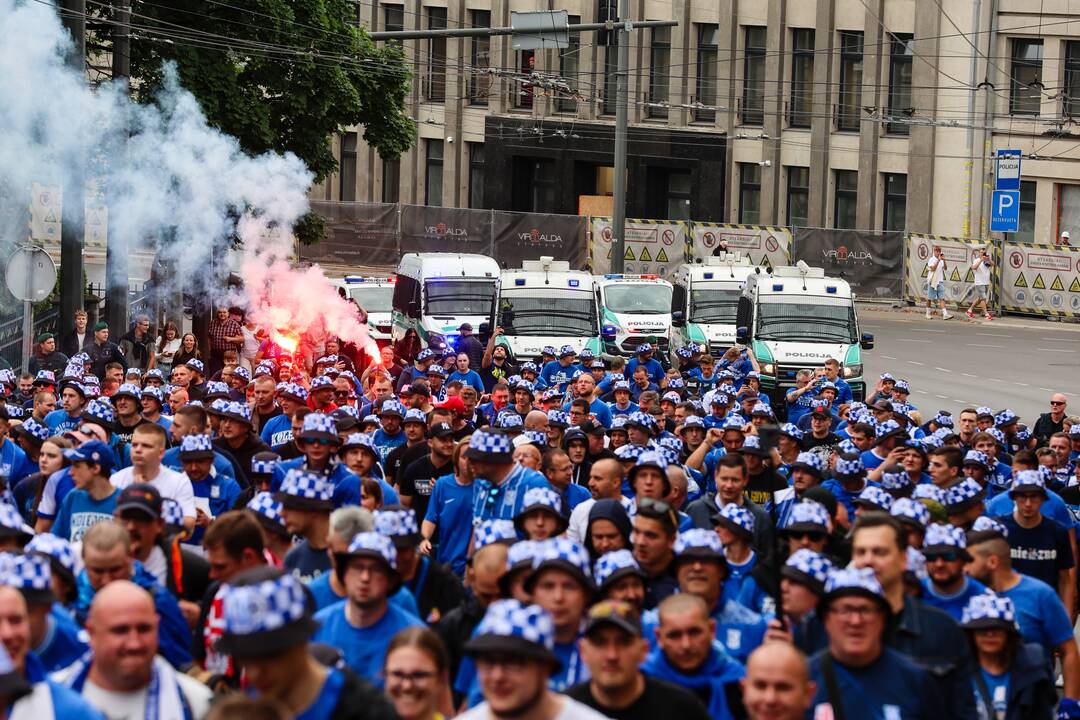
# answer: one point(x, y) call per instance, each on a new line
point(718, 671)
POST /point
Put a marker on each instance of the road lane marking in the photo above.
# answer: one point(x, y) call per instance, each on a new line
point(945, 370)
point(969, 375)
point(928, 330)
point(914, 362)
point(1054, 350)
point(941, 397)
point(985, 346)
point(913, 340)
point(1061, 339)
point(993, 335)
point(887, 357)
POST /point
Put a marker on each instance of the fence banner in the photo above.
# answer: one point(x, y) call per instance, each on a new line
point(437, 229)
point(1041, 280)
point(872, 263)
point(652, 246)
point(358, 235)
point(958, 253)
point(764, 244)
point(528, 236)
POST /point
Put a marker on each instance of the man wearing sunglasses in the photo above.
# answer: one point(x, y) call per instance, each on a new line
point(1051, 422)
point(947, 587)
point(318, 442)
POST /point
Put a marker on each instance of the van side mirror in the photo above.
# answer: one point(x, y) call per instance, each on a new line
point(678, 318)
point(742, 334)
point(867, 342)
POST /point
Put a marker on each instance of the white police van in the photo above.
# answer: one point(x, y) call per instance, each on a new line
point(634, 309)
point(375, 295)
point(704, 301)
point(435, 293)
point(547, 303)
point(795, 318)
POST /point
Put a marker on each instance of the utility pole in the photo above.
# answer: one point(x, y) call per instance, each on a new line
point(116, 253)
point(618, 229)
point(73, 15)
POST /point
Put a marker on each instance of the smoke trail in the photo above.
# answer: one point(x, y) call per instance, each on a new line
point(166, 174)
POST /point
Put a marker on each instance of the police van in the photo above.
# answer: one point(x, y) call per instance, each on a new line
point(795, 318)
point(547, 303)
point(435, 293)
point(704, 301)
point(375, 297)
point(634, 309)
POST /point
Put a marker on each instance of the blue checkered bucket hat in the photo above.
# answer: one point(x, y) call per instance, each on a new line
point(154, 392)
point(306, 490)
point(997, 435)
point(733, 422)
point(985, 528)
point(490, 446)
point(372, 545)
point(242, 373)
point(359, 440)
point(692, 421)
point(11, 523)
point(267, 510)
point(541, 498)
point(614, 566)
point(217, 390)
point(807, 516)
point(45, 377)
point(670, 455)
point(239, 412)
point(293, 391)
point(963, 495)
point(988, 611)
point(737, 519)
point(34, 430)
point(263, 464)
point(31, 575)
point(648, 458)
point(699, 542)
point(811, 463)
point(684, 353)
point(511, 627)
point(489, 532)
point(874, 498)
point(853, 581)
point(196, 365)
point(886, 430)
point(59, 551)
point(217, 407)
point(536, 437)
point(672, 397)
point(196, 447)
point(847, 447)
point(561, 553)
point(264, 612)
point(392, 407)
point(792, 431)
point(640, 420)
point(1028, 481)
point(416, 415)
point(318, 426)
point(929, 491)
point(910, 511)
point(101, 411)
point(808, 568)
point(520, 556)
point(171, 512)
point(557, 418)
point(944, 537)
point(398, 524)
point(943, 419)
point(424, 354)
point(1005, 417)
point(15, 412)
point(629, 453)
point(849, 467)
point(976, 457)
point(509, 420)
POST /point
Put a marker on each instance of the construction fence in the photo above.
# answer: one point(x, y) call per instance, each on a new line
point(1042, 280)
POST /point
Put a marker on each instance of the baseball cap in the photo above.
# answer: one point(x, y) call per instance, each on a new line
point(94, 452)
point(614, 613)
point(142, 497)
point(441, 430)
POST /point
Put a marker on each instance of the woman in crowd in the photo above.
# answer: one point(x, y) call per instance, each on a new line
point(189, 349)
point(416, 675)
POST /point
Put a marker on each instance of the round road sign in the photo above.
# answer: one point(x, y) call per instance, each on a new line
point(31, 274)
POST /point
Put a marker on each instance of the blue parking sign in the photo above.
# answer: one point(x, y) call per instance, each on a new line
point(1005, 211)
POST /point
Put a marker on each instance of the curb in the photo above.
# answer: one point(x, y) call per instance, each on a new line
point(1010, 321)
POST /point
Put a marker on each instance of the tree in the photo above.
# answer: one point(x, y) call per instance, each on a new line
point(279, 75)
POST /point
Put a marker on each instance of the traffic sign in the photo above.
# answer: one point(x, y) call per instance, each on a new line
point(1007, 170)
point(31, 274)
point(1005, 211)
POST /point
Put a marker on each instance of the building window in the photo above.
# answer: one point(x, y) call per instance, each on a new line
point(435, 74)
point(678, 195)
point(1068, 211)
point(476, 175)
point(534, 185)
point(521, 93)
point(1072, 78)
point(347, 168)
point(569, 62)
point(611, 75)
point(802, 78)
point(749, 193)
point(1027, 213)
point(393, 18)
point(894, 208)
point(847, 199)
point(902, 49)
point(391, 179)
point(851, 69)
point(707, 53)
point(479, 59)
point(433, 173)
point(798, 196)
point(659, 72)
point(753, 96)
point(1025, 93)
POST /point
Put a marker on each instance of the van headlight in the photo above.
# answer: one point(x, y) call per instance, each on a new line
point(768, 368)
point(851, 371)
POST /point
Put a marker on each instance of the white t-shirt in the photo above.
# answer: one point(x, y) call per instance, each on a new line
point(157, 565)
point(579, 518)
point(571, 710)
point(251, 344)
point(982, 272)
point(170, 483)
point(132, 705)
point(935, 269)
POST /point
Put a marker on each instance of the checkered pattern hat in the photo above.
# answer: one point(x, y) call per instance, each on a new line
point(528, 367)
point(397, 523)
point(640, 419)
point(266, 506)
point(156, 373)
point(733, 422)
point(45, 376)
point(1023, 434)
point(56, 548)
point(888, 428)
point(415, 415)
point(693, 421)
point(240, 411)
point(849, 466)
point(35, 430)
point(27, 572)
point(305, 485)
point(916, 564)
point(1027, 480)
point(649, 458)
point(875, 498)
point(810, 567)
point(344, 410)
point(671, 442)
point(629, 452)
point(847, 447)
point(675, 383)
point(489, 532)
point(218, 406)
point(902, 385)
point(7, 376)
point(242, 373)
point(15, 412)
point(196, 365)
point(984, 411)
point(644, 348)
point(521, 554)
point(989, 610)
point(100, 410)
point(614, 565)
point(295, 391)
point(196, 443)
point(792, 431)
point(509, 619)
point(672, 396)
point(263, 607)
point(912, 511)
point(513, 380)
point(940, 535)
point(684, 353)
point(485, 444)
point(714, 399)
point(320, 382)
point(988, 525)
point(1074, 431)
point(541, 498)
point(551, 394)
point(617, 423)
point(566, 350)
point(215, 390)
point(154, 392)
point(171, 512)
point(698, 541)
point(327, 360)
point(929, 491)
point(372, 419)
point(374, 544)
point(1005, 417)
point(424, 354)
point(964, 493)
point(81, 358)
point(930, 441)
point(564, 553)
point(586, 354)
point(808, 515)
point(810, 462)
point(762, 410)
point(976, 457)
point(853, 580)
point(737, 518)
point(548, 350)
point(943, 419)
point(536, 437)
point(392, 407)
point(509, 421)
point(318, 425)
point(264, 369)
point(670, 455)
point(997, 435)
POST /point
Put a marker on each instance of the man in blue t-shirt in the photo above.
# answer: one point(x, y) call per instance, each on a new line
point(559, 373)
point(390, 435)
point(72, 404)
point(644, 358)
point(500, 485)
point(465, 375)
point(362, 625)
point(94, 497)
point(215, 494)
point(946, 586)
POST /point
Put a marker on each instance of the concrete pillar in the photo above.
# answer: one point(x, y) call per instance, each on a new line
point(821, 125)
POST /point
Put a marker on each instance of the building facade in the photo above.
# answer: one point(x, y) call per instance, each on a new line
point(867, 114)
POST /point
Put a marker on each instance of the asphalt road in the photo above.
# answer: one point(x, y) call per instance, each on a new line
point(952, 364)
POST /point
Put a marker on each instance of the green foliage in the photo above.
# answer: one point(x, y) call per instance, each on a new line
point(279, 75)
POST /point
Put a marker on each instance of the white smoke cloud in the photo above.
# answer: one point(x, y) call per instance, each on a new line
point(165, 173)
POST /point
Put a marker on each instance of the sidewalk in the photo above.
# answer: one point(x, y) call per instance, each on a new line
point(1011, 321)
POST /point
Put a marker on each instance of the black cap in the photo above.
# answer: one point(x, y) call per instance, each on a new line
point(441, 430)
point(142, 497)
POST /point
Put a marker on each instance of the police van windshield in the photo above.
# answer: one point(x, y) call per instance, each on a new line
point(806, 320)
point(459, 297)
point(372, 298)
point(714, 305)
point(638, 298)
point(555, 314)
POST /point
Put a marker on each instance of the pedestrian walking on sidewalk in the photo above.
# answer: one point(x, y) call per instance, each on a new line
point(935, 284)
point(980, 292)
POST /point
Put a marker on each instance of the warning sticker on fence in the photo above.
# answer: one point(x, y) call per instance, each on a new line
point(652, 246)
point(1049, 271)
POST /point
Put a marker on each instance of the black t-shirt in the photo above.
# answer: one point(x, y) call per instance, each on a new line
point(125, 432)
point(1040, 552)
point(441, 592)
point(660, 699)
point(761, 487)
point(401, 457)
point(809, 442)
point(419, 479)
